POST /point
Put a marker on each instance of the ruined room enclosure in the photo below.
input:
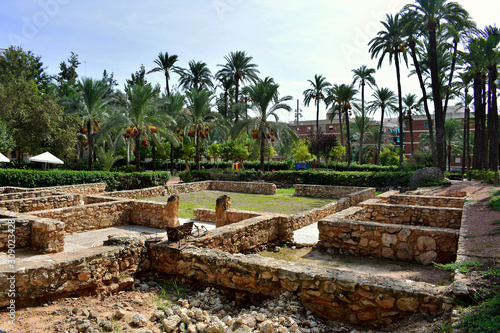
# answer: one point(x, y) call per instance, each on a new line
point(332, 293)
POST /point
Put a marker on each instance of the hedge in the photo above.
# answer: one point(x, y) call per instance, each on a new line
point(316, 177)
point(114, 180)
point(486, 176)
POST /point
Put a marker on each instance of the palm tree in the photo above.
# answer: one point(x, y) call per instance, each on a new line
point(385, 99)
point(173, 107)
point(141, 117)
point(334, 111)
point(317, 92)
point(200, 118)
point(359, 126)
point(165, 63)
point(197, 76)
point(453, 130)
point(492, 57)
point(108, 152)
point(226, 83)
point(265, 104)
point(364, 75)
point(343, 96)
point(90, 105)
point(238, 65)
point(467, 99)
point(390, 41)
point(410, 104)
point(433, 13)
point(412, 29)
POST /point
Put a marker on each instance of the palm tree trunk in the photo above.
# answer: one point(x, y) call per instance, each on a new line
point(317, 115)
point(424, 97)
point(410, 123)
point(436, 94)
point(478, 123)
point(197, 158)
point(138, 151)
point(153, 151)
point(236, 91)
point(493, 120)
point(348, 138)
point(377, 161)
point(171, 158)
point(362, 130)
point(225, 105)
point(450, 79)
point(400, 100)
point(262, 146)
point(166, 80)
point(91, 142)
point(484, 142)
point(341, 129)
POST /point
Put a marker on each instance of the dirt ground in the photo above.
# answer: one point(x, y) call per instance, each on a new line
point(55, 316)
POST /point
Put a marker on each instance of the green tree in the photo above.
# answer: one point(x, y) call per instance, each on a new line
point(265, 103)
point(342, 96)
point(188, 152)
point(317, 92)
point(173, 107)
point(214, 151)
point(68, 71)
point(365, 77)
point(433, 13)
point(411, 106)
point(389, 41)
point(338, 153)
point(301, 152)
point(15, 63)
point(165, 63)
point(137, 78)
point(197, 76)
point(34, 119)
point(109, 151)
point(200, 118)
point(90, 105)
point(226, 83)
point(6, 141)
point(454, 131)
point(385, 99)
point(239, 66)
point(141, 117)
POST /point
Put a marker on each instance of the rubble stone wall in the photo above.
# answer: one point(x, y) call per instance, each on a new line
point(90, 217)
point(22, 232)
point(330, 294)
point(25, 194)
point(325, 191)
point(428, 201)
point(233, 215)
point(86, 272)
point(243, 187)
point(148, 213)
point(244, 236)
point(187, 187)
point(35, 203)
point(397, 242)
point(85, 189)
point(150, 192)
point(439, 217)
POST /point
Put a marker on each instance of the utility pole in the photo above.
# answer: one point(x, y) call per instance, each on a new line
point(298, 114)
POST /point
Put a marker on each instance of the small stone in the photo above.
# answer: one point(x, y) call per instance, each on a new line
point(119, 314)
point(139, 320)
point(266, 327)
point(277, 249)
point(170, 323)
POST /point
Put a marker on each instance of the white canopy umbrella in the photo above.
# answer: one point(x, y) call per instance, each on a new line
point(46, 158)
point(3, 158)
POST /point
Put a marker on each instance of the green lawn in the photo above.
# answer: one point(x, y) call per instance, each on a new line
point(282, 203)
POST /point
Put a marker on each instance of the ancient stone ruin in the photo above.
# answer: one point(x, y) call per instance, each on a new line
point(392, 226)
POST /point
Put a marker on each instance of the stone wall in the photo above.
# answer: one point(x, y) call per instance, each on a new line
point(187, 187)
point(89, 271)
point(25, 194)
point(150, 192)
point(47, 235)
point(86, 189)
point(243, 187)
point(427, 201)
point(440, 217)
point(12, 189)
point(325, 191)
point(244, 236)
point(151, 214)
point(345, 235)
point(41, 202)
point(22, 233)
point(92, 199)
point(233, 215)
point(90, 217)
point(329, 293)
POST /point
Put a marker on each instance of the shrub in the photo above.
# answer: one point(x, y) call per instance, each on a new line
point(113, 180)
point(484, 175)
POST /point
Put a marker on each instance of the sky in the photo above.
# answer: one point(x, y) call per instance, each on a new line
point(289, 40)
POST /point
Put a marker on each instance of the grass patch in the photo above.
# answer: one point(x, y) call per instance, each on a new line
point(470, 236)
point(286, 191)
point(495, 231)
point(463, 267)
point(484, 318)
point(495, 222)
point(495, 203)
point(282, 203)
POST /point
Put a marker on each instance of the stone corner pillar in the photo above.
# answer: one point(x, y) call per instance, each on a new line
point(173, 211)
point(222, 205)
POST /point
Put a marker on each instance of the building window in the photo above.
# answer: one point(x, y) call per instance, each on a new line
point(309, 128)
point(330, 128)
point(426, 125)
point(458, 160)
